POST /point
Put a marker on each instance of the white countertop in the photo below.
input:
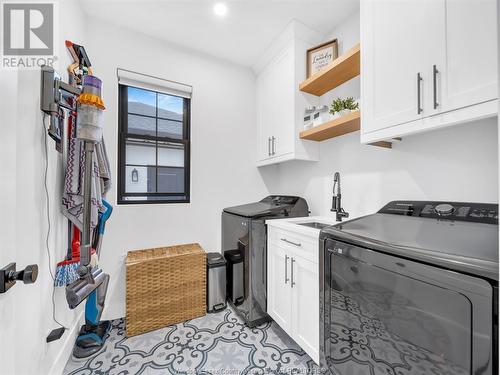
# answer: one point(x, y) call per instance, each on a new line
point(291, 224)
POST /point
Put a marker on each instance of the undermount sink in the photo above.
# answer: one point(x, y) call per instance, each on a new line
point(315, 224)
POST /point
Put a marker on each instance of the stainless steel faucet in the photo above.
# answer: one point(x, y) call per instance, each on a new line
point(336, 199)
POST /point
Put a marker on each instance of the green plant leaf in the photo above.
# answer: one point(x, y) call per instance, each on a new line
point(336, 106)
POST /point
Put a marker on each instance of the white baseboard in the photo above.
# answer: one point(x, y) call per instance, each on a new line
point(67, 347)
point(114, 311)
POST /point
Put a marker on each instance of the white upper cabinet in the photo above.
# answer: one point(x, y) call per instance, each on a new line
point(283, 100)
point(397, 40)
point(263, 114)
point(280, 105)
point(469, 73)
point(426, 64)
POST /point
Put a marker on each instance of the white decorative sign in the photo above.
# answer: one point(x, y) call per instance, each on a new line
point(319, 57)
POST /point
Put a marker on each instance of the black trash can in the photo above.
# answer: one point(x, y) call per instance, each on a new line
point(235, 274)
point(216, 282)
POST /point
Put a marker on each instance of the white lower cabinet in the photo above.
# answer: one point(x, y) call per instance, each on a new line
point(279, 297)
point(293, 288)
point(305, 305)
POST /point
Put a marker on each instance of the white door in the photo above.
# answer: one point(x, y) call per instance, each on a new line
point(283, 102)
point(397, 40)
point(305, 305)
point(469, 72)
point(264, 114)
point(278, 287)
point(7, 221)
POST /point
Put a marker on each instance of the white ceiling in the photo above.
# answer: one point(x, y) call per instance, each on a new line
point(241, 36)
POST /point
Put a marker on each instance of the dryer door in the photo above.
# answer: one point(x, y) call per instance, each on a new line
point(387, 315)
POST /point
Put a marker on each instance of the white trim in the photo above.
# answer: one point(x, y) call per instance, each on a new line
point(455, 117)
point(295, 30)
point(67, 348)
point(148, 82)
point(282, 158)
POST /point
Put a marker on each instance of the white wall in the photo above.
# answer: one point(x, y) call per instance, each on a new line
point(459, 163)
point(26, 310)
point(456, 164)
point(347, 35)
point(223, 172)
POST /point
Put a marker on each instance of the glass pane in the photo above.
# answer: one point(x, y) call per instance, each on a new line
point(170, 107)
point(171, 129)
point(140, 152)
point(142, 102)
point(170, 154)
point(170, 180)
point(141, 125)
point(140, 179)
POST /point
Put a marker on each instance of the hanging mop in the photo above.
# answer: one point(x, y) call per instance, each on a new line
point(66, 270)
point(73, 195)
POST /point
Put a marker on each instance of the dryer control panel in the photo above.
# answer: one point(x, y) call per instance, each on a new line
point(461, 211)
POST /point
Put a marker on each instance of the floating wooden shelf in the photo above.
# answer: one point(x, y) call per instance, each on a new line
point(340, 70)
point(384, 144)
point(340, 126)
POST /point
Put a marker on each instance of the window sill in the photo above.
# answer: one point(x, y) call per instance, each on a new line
point(121, 202)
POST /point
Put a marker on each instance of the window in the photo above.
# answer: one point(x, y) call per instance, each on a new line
point(154, 147)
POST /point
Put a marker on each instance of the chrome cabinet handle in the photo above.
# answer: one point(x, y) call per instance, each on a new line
point(293, 282)
point(274, 146)
point(434, 82)
point(286, 269)
point(419, 104)
point(291, 242)
point(268, 146)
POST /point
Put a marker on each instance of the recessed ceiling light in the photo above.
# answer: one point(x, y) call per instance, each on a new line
point(220, 9)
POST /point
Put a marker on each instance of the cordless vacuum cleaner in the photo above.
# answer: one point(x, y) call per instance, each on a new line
point(92, 334)
point(93, 282)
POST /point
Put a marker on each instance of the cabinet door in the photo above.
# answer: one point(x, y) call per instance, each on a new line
point(398, 38)
point(283, 102)
point(305, 305)
point(278, 286)
point(264, 114)
point(470, 74)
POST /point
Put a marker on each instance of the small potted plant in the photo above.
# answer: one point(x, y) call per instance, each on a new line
point(340, 107)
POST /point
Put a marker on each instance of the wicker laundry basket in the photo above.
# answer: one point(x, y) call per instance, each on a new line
point(165, 286)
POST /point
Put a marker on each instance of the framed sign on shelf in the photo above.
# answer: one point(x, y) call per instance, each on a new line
point(320, 56)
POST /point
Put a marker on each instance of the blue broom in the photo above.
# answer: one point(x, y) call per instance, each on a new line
point(66, 271)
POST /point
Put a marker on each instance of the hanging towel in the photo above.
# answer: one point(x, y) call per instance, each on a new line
point(104, 169)
point(72, 200)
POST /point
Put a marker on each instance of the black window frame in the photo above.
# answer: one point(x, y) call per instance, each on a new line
point(123, 135)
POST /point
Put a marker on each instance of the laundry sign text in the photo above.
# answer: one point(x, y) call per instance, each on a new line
point(320, 56)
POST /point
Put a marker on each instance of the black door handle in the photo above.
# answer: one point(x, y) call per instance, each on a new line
point(434, 82)
point(9, 276)
point(419, 105)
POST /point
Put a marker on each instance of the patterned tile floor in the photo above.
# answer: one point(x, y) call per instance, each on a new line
point(214, 344)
